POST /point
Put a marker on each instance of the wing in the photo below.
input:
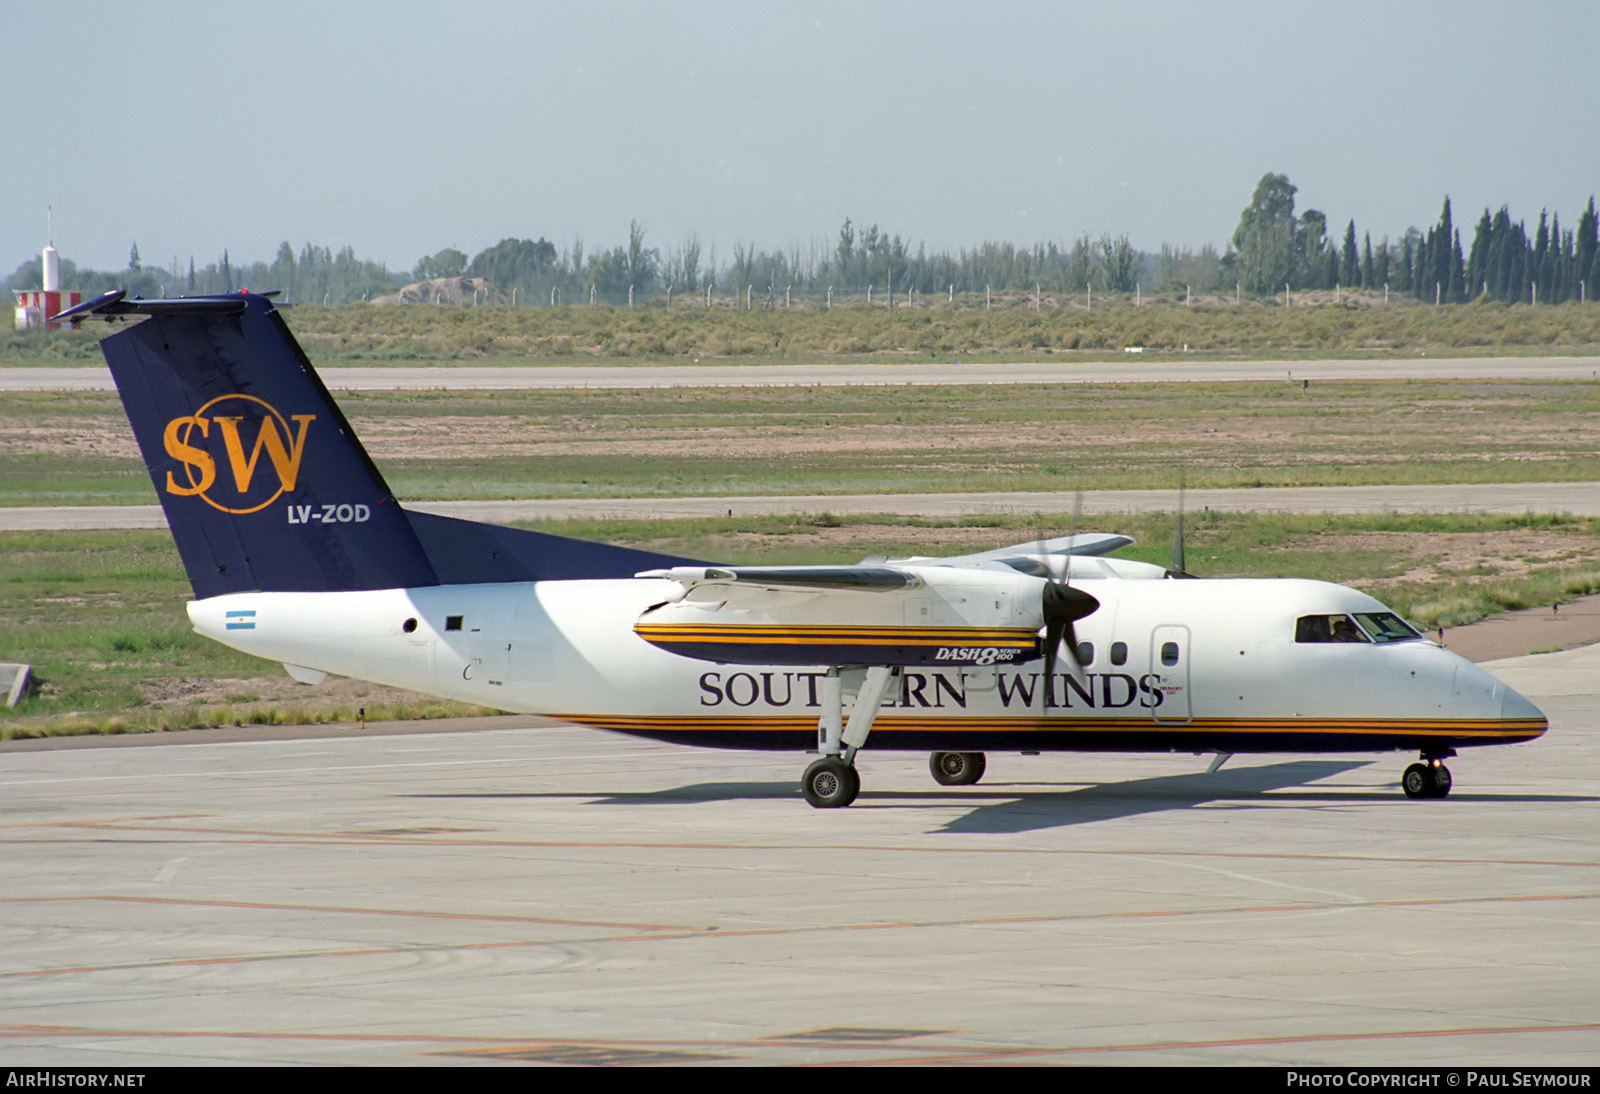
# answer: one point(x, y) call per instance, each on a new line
point(854, 578)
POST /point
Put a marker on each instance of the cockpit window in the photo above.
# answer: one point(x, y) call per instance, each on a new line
point(1386, 627)
point(1355, 627)
point(1328, 628)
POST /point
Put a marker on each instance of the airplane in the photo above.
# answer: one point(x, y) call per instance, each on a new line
point(298, 552)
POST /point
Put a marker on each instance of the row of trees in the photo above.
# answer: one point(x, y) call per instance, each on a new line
point(316, 275)
point(868, 260)
point(1273, 247)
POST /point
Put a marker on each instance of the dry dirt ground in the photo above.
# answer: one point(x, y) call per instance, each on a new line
point(273, 690)
point(1466, 554)
point(1350, 425)
point(1532, 630)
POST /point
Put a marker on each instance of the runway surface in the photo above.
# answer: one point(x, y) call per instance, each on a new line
point(1134, 369)
point(543, 893)
point(1575, 498)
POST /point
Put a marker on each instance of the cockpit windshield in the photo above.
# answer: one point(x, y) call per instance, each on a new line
point(1353, 627)
point(1386, 627)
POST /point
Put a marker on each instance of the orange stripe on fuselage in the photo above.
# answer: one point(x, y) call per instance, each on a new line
point(1504, 729)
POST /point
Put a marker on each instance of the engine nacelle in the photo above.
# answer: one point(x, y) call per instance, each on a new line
point(934, 616)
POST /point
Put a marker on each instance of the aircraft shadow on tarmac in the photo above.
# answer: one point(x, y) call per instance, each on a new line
point(1242, 788)
point(997, 808)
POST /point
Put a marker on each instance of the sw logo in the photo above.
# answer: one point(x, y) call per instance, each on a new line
point(237, 421)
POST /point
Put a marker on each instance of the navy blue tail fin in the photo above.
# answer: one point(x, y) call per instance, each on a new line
point(263, 481)
point(264, 485)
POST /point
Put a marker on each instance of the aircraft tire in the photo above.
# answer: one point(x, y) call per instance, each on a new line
point(1426, 781)
point(1441, 781)
point(957, 768)
point(830, 783)
point(1417, 781)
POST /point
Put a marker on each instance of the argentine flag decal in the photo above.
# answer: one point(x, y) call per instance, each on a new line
point(241, 621)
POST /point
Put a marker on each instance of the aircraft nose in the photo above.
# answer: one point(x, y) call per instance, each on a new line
point(1514, 705)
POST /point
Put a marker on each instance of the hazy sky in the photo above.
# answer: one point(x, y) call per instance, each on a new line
point(401, 128)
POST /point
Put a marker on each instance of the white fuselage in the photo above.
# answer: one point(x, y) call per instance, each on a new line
point(1193, 664)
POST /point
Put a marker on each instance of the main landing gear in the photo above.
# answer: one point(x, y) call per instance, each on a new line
point(1428, 779)
point(957, 768)
point(832, 782)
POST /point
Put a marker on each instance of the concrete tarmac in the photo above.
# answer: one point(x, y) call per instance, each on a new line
point(1133, 369)
point(548, 894)
point(1574, 498)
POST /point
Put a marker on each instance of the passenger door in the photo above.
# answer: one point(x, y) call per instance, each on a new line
point(1169, 659)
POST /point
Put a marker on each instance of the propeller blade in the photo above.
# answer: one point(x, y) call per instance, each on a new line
point(1062, 606)
point(1178, 569)
point(1052, 646)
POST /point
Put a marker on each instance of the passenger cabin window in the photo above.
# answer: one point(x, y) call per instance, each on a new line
point(1169, 653)
point(1119, 653)
point(1085, 653)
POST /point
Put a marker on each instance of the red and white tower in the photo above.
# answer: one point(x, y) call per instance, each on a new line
point(34, 307)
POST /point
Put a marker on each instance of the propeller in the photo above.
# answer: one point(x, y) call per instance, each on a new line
point(1062, 606)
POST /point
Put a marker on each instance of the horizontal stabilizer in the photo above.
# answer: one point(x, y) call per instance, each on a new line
point(115, 304)
point(1083, 544)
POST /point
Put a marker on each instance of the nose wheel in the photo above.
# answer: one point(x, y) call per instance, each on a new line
point(1426, 780)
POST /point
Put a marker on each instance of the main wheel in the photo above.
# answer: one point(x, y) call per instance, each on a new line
point(830, 783)
point(957, 768)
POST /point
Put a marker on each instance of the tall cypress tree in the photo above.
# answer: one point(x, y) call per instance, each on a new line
point(1555, 266)
point(1439, 248)
point(1539, 268)
point(1455, 290)
point(1517, 278)
point(1349, 260)
point(1588, 246)
point(1497, 266)
point(1426, 272)
point(1478, 257)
